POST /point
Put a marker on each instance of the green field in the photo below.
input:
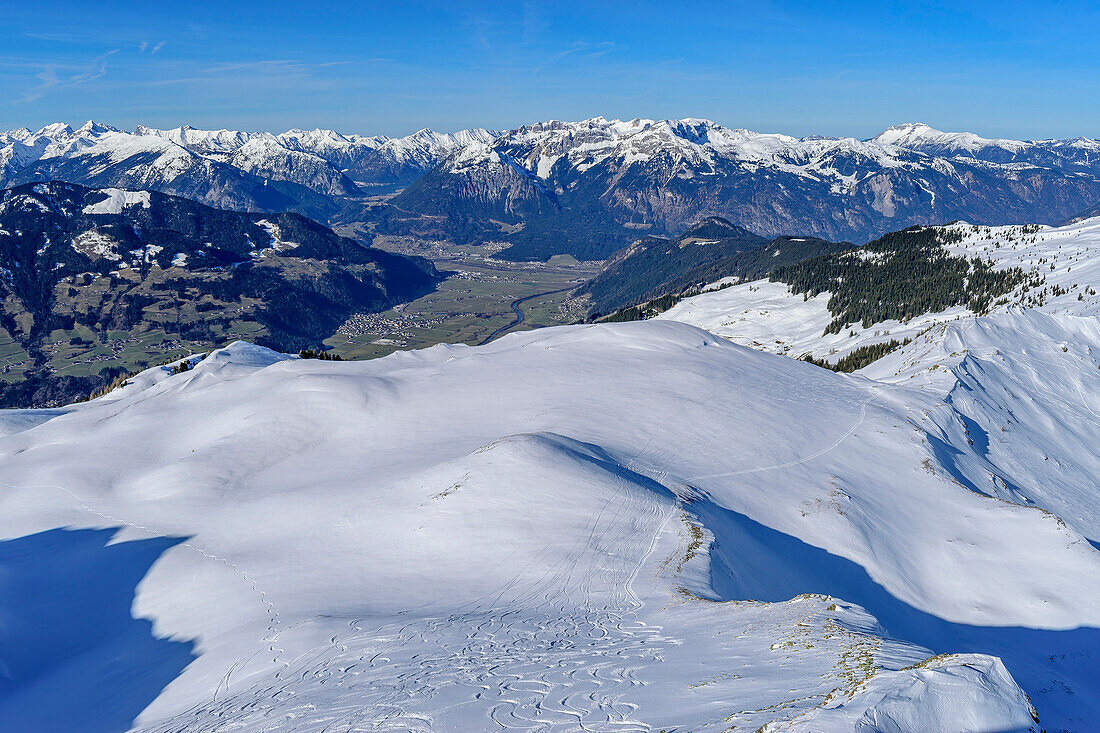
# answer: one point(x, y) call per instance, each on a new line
point(474, 302)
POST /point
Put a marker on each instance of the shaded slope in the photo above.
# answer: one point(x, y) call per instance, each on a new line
point(652, 267)
point(72, 656)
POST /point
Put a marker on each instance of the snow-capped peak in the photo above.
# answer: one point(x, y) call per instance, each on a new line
point(20, 133)
point(56, 129)
point(920, 136)
point(91, 127)
point(691, 146)
point(205, 142)
point(906, 132)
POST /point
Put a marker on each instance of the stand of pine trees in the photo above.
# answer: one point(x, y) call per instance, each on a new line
point(648, 310)
point(900, 276)
point(319, 354)
point(860, 357)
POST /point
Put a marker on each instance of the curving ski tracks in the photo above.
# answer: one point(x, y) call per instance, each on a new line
point(558, 648)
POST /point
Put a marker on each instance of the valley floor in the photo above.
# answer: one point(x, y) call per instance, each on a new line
point(481, 299)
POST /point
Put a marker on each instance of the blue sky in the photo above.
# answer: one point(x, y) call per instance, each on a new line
point(1000, 69)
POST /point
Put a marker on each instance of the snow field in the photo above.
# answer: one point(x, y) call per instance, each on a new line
point(547, 532)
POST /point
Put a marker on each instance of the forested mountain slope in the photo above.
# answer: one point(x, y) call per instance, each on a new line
point(713, 250)
point(97, 282)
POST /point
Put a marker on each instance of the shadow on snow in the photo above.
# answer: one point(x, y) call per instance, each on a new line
point(1060, 670)
point(71, 655)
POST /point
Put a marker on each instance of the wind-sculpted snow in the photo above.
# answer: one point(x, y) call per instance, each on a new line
point(613, 527)
point(1025, 395)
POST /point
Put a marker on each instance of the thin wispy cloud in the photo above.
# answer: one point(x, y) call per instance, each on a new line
point(243, 71)
point(151, 48)
point(272, 66)
point(582, 48)
point(53, 77)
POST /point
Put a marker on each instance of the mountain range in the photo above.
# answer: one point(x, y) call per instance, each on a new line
point(305, 171)
point(583, 188)
point(589, 187)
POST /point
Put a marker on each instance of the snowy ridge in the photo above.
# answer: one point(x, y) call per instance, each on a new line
point(641, 176)
point(352, 154)
point(202, 141)
point(321, 160)
point(923, 138)
point(919, 136)
point(264, 156)
point(394, 545)
point(698, 142)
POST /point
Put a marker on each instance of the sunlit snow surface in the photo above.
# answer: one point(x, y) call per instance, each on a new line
point(614, 527)
point(1016, 410)
point(767, 316)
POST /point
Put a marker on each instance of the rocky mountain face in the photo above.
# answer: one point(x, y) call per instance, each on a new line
point(589, 187)
point(100, 156)
point(265, 157)
point(395, 162)
point(94, 282)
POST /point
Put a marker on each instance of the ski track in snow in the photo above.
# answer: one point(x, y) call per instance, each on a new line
point(537, 658)
point(274, 628)
point(534, 657)
point(800, 461)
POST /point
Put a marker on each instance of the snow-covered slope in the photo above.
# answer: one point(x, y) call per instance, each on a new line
point(266, 157)
point(612, 527)
point(1022, 383)
point(401, 160)
point(768, 316)
point(1078, 152)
